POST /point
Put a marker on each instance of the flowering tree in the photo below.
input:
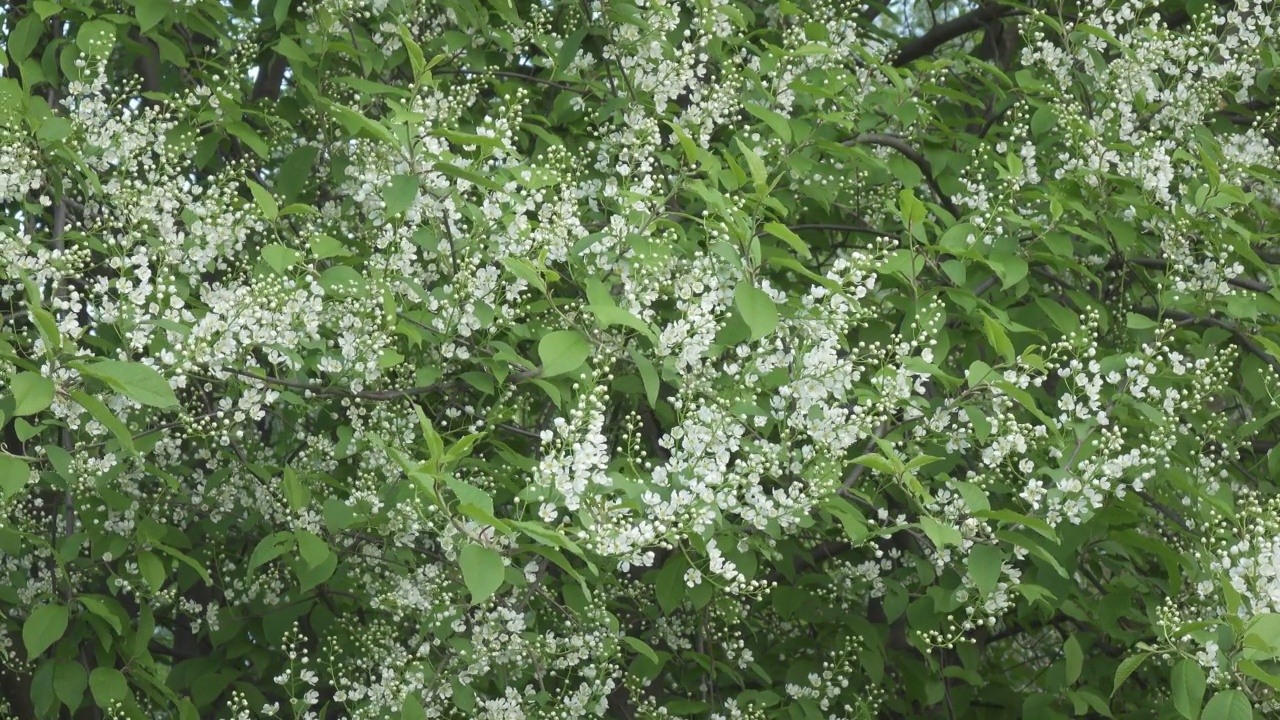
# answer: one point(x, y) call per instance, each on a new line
point(639, 359)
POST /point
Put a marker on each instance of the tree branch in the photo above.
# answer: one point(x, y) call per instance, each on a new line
point(937, 36)
point(1158, 264)
point(915, 156)
point(1164, 510)
point(374, 395)
point(1240, 337)
point(863, 229)
point(267, 87)
point(515, 75)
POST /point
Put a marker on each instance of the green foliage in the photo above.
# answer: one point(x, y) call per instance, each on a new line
point(677, 358)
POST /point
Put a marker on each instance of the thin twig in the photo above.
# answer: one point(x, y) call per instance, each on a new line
point(832, 227)
point(1158, 264)
point(1164, 510)
point(1185, 317)
point(514, 75)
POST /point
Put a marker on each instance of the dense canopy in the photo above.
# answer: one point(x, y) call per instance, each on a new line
point(718, 359)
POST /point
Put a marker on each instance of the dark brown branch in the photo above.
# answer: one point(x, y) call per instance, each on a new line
point(515, 75)
point(1164, 510)
point(1158, 264)
point(915, 156)
point(1240, 337)
point(147, 64)
point(270, 78)
point(819, 554)
point(939, 35)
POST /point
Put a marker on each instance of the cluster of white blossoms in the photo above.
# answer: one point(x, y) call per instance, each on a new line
point(1239, 583)
point(530, 306)
point(1159, 95)
point(20, 170)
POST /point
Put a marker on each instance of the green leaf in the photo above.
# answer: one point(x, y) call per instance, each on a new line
point(854, 522)
point(1101, 34)
point(524, 270)
point(881, 464)
point(939, 533)
point(412, 708)
point(310, 577)
point(359, 125)
point(185, 559)
point(152, 569)
point(96, 37)
point(569, 48)
point(324, 247)
point(435, 444)
point(108, 686)
point(998, 338)
point(911, 211)
point(269, 548)
point(1251, 668)
point(70, 681)
point(54, 128)
point(985, 562)
point(23, 37)
point(245, 133)
point(607, 312)
point(785, 234)
point(979, 373)
point(103, 414)
point(98, 606)
point(1014, 518)
point(295, 171)
point(399, 194)
point(1011, 269)
point(648, 375)
point(757, 309)
point(1228, 705)
point(642, 648)
point(44, 626)
point(562, 352)
point(313, 549)
point(1126, 668)
point(46, 8)
point(1043, 120)
point(670, 586)
point(546, 536)
point(46, 325)
point(465, 140)
point(281, 12)
point(777, 123)
point(266, 204)
point(1134, 321)
point(1188, 688)
point(150, 12)
point(14, 473)
point(482, 571)
point(1073, 657)
point(1262, 637)
point(759, 177)
point(465, 175)
point(279, 257)
point(416, 59)
point(135, 381)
